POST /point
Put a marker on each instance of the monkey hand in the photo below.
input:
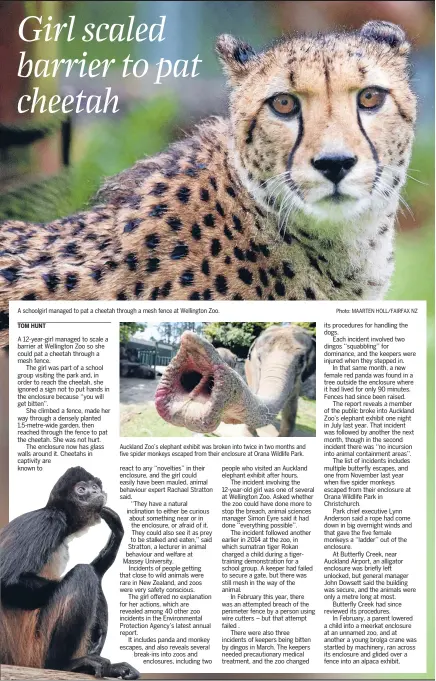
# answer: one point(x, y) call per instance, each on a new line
point(112, 519)
point(101, 667)
point(89, 664)
point(122, 670)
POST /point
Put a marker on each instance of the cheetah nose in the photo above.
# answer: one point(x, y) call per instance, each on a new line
point(334, 166)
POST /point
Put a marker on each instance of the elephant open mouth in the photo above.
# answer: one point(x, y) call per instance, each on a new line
point(197, 387)
point(195, 382)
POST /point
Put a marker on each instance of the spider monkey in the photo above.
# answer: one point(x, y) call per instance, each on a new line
point(47, 621)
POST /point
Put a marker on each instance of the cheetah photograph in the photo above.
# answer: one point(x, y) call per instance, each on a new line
point(287, 177)
point(218, 379)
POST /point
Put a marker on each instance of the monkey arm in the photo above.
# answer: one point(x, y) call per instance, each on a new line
point(27, 544)
point(106, 557)
point(28, 592)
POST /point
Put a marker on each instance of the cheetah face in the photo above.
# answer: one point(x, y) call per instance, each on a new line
point(323, 125)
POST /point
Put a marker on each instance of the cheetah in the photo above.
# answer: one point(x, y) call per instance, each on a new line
point(292, 197)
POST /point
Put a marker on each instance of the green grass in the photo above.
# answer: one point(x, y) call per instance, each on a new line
point(137, 421)
point(147, 423)
point(306, 416)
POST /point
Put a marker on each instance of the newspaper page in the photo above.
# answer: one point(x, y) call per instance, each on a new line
point(217, 340)
point(306, 553)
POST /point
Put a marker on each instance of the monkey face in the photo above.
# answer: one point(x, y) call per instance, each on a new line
point(80, 495)
point(88, 498)
point(90, 494)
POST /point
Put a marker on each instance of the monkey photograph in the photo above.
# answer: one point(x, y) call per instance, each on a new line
point(48, 620)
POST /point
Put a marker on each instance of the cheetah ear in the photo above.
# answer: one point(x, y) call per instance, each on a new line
point(385, 32)
point(235, 56)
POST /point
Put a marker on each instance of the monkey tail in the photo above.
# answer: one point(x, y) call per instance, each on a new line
point(20, 642)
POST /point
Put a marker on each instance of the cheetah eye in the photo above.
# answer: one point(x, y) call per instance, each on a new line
point(371, 98)
point(284, 105)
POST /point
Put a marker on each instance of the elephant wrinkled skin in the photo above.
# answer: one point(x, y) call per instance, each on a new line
point(200, 389)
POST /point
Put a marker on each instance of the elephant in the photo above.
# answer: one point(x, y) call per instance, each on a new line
point(228, 356)
point(260, 373)
point(232, 360)
point(199, 389)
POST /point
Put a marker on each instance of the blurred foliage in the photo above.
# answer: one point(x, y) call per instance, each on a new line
point(96, 12)
point(414, 275)
point(194, 28)
point(414, 267)
point(39, 201)
point(414, 279)
point(238, 336)
point(235, 336)
point(415, 246)
point(419, 190)
point(128, 329)
point(309, 326)
point(170, 332)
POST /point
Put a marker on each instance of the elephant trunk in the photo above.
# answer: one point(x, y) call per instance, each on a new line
point(199, 389)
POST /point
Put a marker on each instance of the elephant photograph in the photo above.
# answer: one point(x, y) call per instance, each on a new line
point(218, 379)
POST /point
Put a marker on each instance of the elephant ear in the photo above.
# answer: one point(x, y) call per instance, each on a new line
point(310, 367)
point(250, 350)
